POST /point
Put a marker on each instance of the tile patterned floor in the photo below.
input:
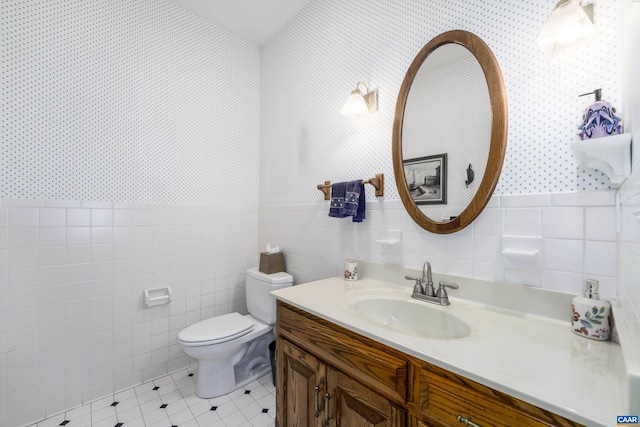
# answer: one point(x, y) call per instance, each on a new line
point(171, 401)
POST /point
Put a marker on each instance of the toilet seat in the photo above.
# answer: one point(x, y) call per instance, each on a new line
point(216, 330)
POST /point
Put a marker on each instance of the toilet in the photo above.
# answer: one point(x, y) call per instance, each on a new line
point(233, 349)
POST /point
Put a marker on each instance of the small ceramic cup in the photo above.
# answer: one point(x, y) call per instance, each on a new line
point(350, 269)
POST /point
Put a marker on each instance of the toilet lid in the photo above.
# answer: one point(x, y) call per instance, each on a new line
point(219, 328)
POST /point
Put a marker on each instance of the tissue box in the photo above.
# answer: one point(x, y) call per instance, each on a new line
point(271, 263)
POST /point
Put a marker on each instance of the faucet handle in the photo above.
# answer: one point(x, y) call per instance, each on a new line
point(442, 292)
point(417, 288)
point(447, 285)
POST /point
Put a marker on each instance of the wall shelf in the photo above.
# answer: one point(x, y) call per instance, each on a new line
point(610, 154)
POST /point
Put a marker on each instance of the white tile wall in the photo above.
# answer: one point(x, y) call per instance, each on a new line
point(629, 238)
point(72, 326)
point(567, 257)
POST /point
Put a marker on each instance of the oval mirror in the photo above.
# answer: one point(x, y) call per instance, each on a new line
point(449, 132)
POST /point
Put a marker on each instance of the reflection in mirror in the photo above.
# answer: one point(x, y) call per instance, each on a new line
point(449, 134)
point(455, 122)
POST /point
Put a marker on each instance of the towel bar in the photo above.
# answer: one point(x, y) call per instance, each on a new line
point(377, 182)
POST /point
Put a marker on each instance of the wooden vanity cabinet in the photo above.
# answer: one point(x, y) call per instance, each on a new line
point(326, 372)
point(325, 378)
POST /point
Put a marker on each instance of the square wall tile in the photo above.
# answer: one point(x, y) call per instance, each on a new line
point(101, 217)
point(23, 237)
point(489, 222)
point(460, 246)
point(53, 255)
point(51, 275)
point(101, 235)
point(563, 255)
point(123, 217)
point(522, 221)
point(487, 249)
point(600, 258)
point(53, 217)
point(488, 271)
point(600, 223)
point(563, 223)
point(22, 277)
point(23, 217)
point(23, 298)
point(607, 286)
point(22, 319)
point(78, 235)
point(562, 281)
point(78, 217)
point(23, 257)
point(458, 267)
point(52, 236)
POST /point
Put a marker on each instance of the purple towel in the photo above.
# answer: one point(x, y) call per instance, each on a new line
point(336, 209)
point(348, 199)
point(352, 192)
point(360, 214)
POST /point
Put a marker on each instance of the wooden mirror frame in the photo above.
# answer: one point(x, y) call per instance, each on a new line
point(498, 144)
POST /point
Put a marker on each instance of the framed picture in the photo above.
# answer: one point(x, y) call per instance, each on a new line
point(427, 179)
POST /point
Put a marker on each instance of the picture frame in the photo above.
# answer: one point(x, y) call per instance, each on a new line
point(426, 179)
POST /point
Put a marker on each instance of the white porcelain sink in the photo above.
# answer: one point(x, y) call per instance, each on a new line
point(413, 318)
point(398, 312)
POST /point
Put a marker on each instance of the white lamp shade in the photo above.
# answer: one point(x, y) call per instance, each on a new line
point(355, 104)
point(567, 24)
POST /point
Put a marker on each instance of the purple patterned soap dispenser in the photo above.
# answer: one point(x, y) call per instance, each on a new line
point(591, 316)
point(599, 119)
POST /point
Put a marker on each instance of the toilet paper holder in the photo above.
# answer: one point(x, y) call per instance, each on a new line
point(156, 296)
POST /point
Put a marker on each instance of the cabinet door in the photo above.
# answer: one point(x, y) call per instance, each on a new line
point(301, 387)
point(353, 405)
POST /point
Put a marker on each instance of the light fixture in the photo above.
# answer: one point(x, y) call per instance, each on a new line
point(569, 22)
point(360, 102)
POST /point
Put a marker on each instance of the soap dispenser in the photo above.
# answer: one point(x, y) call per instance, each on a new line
point(599, 119)
point(591, 316)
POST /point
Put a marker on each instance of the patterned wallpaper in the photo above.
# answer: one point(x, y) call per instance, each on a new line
point(309, 68)
point(141, 101)
point(133, 101)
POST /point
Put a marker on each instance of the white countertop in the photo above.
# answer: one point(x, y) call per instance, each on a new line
point(534, 358)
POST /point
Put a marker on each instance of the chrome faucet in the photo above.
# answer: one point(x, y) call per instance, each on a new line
point(424, 290)
point(427, 278)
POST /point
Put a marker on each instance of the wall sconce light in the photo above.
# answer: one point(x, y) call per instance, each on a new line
point(360, 102)
point(569, 23)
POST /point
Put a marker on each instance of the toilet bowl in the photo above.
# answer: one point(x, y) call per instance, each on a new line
point(233, 349)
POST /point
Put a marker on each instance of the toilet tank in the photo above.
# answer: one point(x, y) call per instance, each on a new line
point(260, 303)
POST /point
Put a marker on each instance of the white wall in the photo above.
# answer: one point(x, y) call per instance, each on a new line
point(308, 69)
point(629, 238)
point(129, 160)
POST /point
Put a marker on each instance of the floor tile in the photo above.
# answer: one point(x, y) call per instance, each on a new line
point(140, 406)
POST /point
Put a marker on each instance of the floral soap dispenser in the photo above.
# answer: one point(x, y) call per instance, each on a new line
point(591, 316)
point(599, 119)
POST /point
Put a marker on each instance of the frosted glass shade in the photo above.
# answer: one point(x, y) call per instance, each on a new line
point(355, 104)
point(568, 24)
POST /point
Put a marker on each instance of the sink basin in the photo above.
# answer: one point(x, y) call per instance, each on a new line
point(411, 317)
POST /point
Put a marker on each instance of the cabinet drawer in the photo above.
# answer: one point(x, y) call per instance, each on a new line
point(445, 396)
point(361, 358)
